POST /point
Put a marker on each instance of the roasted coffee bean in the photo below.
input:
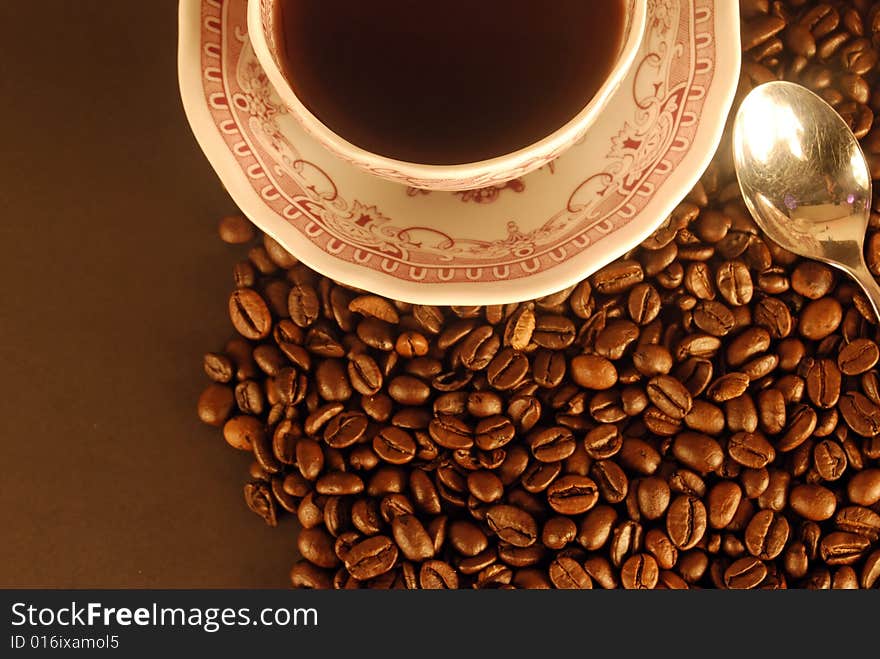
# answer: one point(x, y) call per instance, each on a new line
point(813, 502)
point(235, 230)
point(697, 451)
point(520, 327)
point(451, 432)
point(316, 546)
point(339, 483)
point(485, 486)
point(603, 442)
point(650, 360)
point(860, 520)
point(507, 369)
point(308, 576)
point(394, 445)
point(365, 517)
point(652, 496)
point(385, 480)
point(686, 521)
point(625, 540)
point(751, 450)
point(801, 424)
point(558, 532)
point(766, 535)
point(218, 367)
point(640, 572)
point(771, 411)
point(435, 575)
point(610, 479)
point(249, 397)
point(670, 396)
point(745, 573)
point(538, 476)
point(553, 332)
point(412, 538)
point(242, 432)
point(616, 338)
point(633, 400)
point(572, 494)
point(643, 304)
point(697, 345)
point(684, 481)
point(823, 383)
point(483, 404)
point(249, 313)
point(749, 343)
point(408, 390)
point(858, 357)
point(373, 306)
point(490, 433)
point(864, 487)
point(728, 387)
point(860, 414)
point(843, 548)
point(658, 544)
point(332, 381)
point(659, 423)
point(734, 283)
point(260, 499)
point(320, 417)
point(371, 557)
point(705, 417)
point(638, 455)
point(829, 460)
point(593, 372)
point(723, 501)
point(617, 277)
point(695, 374)
point(549, 368)
point(552, 444)
point(772, 314)
point(596, 526)
point(364, 374)
point(698, 281)
point(215, 404)
point(512, 525)
point(478, 348)
point(754, 482)
point(303, 304)
point(518, 556)
point(567, 573)
point(820, 318)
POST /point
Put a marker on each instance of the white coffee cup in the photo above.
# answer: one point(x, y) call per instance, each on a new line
point(484, 173)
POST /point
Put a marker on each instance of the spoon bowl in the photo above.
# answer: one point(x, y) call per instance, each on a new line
point(804, 178)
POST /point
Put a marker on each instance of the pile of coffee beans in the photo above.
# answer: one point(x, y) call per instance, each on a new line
point(703, 412)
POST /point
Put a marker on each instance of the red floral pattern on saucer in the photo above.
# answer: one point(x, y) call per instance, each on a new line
point(517, 240)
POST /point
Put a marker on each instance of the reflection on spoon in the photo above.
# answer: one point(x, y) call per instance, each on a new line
point(804, 178)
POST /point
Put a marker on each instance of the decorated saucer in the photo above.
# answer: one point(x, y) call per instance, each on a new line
point(519, 240)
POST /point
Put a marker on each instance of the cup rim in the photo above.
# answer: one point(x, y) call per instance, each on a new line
point(451, 177)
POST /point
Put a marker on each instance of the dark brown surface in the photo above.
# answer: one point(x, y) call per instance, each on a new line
point(113, 284)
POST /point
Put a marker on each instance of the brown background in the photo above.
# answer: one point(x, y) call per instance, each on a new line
point(113, 285)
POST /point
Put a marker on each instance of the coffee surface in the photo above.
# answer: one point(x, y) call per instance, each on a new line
point(447, 82)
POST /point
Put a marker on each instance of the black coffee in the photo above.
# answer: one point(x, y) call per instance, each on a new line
point(447, 82)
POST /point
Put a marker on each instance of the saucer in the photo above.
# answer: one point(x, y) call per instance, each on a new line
point(520, 240)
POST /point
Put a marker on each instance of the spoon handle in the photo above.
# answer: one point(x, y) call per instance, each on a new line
point(869, 285)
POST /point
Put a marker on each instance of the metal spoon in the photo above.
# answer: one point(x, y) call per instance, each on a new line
point(804, 178)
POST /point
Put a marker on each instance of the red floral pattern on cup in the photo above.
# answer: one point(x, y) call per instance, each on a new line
point(668, 90)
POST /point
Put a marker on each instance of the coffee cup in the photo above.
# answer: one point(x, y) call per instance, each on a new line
point(462, 133)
